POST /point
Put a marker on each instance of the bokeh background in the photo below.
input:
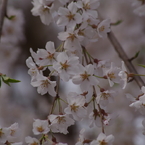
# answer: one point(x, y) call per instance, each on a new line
point(21, 103)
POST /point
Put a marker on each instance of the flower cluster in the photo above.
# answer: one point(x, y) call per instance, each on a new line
point(71, 61)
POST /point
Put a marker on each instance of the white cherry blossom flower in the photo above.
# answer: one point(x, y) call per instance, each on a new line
point(112, 75)
point(44, 85)
point(68, 16)
point(139, 103)
point(103, 140)
point(31, 141)
point(103, 28)
point(4, 133)
point(71, 39)
point(13, 132)
point(76, 106)
point(81, 137)
point(94, 118)
point(43, 8)
point(105, 97)
point(66, 65)
point(60, 123)
point(85, 77)
point(40, 127)
point(33, 70)
point(89, 34)
point(48, 56)
point(89, 8)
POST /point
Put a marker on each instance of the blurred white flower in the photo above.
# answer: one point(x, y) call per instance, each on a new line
point(31, 141)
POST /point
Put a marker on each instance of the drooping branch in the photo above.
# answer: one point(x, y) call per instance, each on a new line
point(2, 14)
point(124, 57)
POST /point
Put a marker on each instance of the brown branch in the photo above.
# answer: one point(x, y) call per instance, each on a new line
point(2, 14)
point(124, 57)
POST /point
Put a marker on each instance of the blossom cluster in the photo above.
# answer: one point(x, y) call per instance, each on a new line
point(71, 61)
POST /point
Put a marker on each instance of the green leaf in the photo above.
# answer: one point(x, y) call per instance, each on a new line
point(136, 55)
point(141, 65)
point(11, 17)
point(8, 80)
point(117, 23)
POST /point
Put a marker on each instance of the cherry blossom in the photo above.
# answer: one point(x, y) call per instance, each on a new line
point(71, 39)
point(48, 56)
point(76, 106)
point(40, 127)
point(66, 65)
point(85, 77)
point(89, 8)
point(60, 123)
point(43, 9)
point(103, 139)
point(4, 132)
point(31, 141)
point(69, 16)
point(44, 85)
point(112, 74)
point(103, 28)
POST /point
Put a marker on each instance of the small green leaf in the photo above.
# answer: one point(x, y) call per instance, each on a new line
point(13, 80)
point(117, 23)
point(11, 17)
point(141, 65)
point(8, 80)
point(136, 55)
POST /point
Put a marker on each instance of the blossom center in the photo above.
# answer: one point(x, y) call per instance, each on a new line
point(61, 119)
point(111, 75)
point(81, 33)
point(12, 132)
point(102, 28)
point(86, 6)
point(72, 36)
point(103, 142)
point(45, 83)
point(85, 76)
point(74, 107)
point(71, 16)
point(40, 129)
point(34, 143)
point(50, 56)
point(64, 65)
point(1, 133)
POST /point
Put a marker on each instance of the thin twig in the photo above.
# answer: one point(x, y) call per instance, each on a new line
point(124, 57)
point(2, 14)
